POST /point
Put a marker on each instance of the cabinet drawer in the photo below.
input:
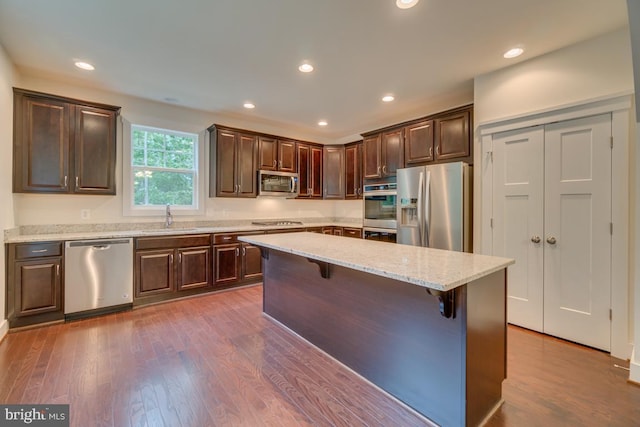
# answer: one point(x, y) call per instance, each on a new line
point(37, 250)
point(220, 239)
point(168, 242)
point(352, 232)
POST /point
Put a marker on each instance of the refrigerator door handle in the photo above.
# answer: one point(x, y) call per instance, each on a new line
point(427, 209)
point(419, 209)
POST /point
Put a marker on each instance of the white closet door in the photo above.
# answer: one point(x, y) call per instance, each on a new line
point(518, 212)
point(577, 240)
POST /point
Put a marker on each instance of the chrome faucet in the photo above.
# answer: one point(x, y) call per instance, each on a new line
point(168, 218)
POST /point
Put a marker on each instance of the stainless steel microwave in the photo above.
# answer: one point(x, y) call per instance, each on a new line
point(278, 184)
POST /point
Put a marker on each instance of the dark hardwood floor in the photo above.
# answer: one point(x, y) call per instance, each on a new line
point(215, 360)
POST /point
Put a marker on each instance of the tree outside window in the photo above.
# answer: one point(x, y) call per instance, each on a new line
point(164, 167)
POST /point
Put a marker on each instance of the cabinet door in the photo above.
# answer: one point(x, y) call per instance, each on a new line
point(452, 136)
point(418, 144)
point(392, 148)
point(268, 157)
point(227, 267)
point(352, 172)
point(154, 272)
point(304, 158)
point(337, 231)
point(37, 286)
point(371, 157)
point(95, 151)
point(41, 145)
point(225, 164)
point(333, 165)
point(247, 148)
point(327, 230)
point(315, 175)
point(287, 156)
point(194, 267)
point(251, 261)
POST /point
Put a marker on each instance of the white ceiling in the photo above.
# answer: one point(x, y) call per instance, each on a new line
point(214, 55)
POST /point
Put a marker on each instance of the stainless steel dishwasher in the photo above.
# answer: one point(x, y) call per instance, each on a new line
point(98, 275)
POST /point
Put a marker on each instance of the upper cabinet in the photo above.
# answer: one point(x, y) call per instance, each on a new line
point(309, 158)
point(63, 145)
point(383, 153)
point(235, 156)
point(333, 166)
point(442, 137)
point(277, 155)
point(452, 135)
point(353, 170)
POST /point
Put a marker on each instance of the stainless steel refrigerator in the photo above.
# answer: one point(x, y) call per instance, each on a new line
point(434, 206)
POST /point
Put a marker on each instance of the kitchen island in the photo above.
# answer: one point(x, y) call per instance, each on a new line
point(426, 325)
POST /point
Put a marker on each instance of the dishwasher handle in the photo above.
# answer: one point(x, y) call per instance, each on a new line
point(98, 244)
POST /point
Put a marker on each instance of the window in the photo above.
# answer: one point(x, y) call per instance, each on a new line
point(163, 169)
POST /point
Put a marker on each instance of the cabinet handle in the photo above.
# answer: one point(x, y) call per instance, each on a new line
point(430, 151)
point(171, 258)
point(438, 150)
point(180, 258)
point(378, 170)
point(237, 252)
point(77, 185)
point(58, 270)
point(227, 238)
point(275, 163)
point(39, 251)
point(280, 164)
point(244, 251)
point(384, 169)
point(66, 180)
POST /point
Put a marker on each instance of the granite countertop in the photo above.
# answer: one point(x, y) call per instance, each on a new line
point(431, 268)
point(68, 232)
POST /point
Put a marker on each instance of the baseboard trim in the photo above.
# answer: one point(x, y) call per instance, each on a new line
point(634, 368)
point(4, 329)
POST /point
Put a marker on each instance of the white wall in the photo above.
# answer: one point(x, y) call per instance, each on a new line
point(7, 80)
point(591, 69)
point(36, 209)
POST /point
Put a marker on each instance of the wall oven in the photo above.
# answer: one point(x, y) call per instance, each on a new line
point(380, 206)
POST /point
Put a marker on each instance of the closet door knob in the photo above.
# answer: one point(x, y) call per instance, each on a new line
point(551, 240)
point(535, 239)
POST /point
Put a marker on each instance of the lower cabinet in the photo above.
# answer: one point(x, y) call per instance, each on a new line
point(343, 231)
point(171, 266)
point(34, 285)
point(235, 262)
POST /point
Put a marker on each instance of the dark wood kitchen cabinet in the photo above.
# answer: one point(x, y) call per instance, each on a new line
point(63, 145)
point(383, 153)
point(233, 163)
point(236, 263)
point(353, 170)
point(333, 172)
point(309, 157)
point(34, 283)
point(453, 136)
point(167, 267)
point(418, 143)
point(277, 154)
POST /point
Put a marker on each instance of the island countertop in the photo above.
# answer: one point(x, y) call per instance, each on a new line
point(431, 268)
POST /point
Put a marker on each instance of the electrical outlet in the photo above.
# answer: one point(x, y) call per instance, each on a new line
point(85, 213)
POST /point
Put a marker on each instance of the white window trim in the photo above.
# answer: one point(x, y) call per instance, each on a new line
point(129, 209)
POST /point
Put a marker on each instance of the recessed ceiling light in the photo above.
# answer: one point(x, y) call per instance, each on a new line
point(85, 66)
point(388, 98)
point(322, 123)
point(512, 53)
point(306, 67)
point(406, 4)
point(249, 105)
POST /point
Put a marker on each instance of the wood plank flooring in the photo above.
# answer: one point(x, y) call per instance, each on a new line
point(216, 360)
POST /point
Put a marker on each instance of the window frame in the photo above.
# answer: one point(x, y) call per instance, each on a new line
point(129, 207)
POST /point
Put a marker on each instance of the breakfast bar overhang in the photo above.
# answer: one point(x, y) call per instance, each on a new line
point(427, 326)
